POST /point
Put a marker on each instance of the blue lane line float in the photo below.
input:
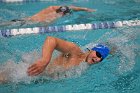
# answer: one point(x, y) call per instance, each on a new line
point(75, 27)
point(20, 1)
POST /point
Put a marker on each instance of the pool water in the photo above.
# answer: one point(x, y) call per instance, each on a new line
point(119, 73)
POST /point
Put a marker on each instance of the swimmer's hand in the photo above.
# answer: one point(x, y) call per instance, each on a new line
point(37, 68)
point(90, 10)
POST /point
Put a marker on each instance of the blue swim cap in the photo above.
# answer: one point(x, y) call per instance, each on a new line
point(102, 49)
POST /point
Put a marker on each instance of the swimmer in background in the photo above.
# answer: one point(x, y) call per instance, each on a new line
point(71, 56)
point(48, 15)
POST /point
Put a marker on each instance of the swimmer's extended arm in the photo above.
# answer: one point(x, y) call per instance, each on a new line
point(39, 17)
point(82, 9)
point(49, 46)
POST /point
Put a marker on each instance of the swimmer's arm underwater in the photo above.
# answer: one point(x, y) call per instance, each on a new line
point(75, 8)
point(49, 46)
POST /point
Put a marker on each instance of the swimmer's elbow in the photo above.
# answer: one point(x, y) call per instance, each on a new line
point(50, 37)
point(51, 41)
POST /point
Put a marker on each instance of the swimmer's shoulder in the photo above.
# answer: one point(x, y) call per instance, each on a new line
point(53, 7)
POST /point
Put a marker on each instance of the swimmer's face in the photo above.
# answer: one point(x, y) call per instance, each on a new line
point(93, 58)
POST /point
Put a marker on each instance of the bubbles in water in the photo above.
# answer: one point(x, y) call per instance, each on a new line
point(109, 1)
point(13, 72)
point(31, 56)
point(122, 42)
point(17, 72)
point(127, 57)
point(77, 70)
point(125, 48)
point(61, 73)
point(137, 1)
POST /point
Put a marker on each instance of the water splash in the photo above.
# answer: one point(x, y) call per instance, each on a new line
point(78, 70)
point(13, 72)
point(58, 72)
point(124, 42)
point(137, 1)
point(17, 71)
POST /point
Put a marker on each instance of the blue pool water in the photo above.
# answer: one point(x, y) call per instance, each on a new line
point(119, 73)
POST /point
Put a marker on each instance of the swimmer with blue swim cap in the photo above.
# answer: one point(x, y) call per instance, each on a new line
point(71, 55)
point(102, 50)
point(97, 53)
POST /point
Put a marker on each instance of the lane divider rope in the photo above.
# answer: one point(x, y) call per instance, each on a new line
point(75, 27)
point(22, 1)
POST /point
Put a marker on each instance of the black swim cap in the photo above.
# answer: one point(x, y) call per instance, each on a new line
point(64, 9)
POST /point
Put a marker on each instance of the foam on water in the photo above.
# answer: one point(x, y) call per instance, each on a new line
point(16, 72)
point(125, 47)
point(75, 71)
